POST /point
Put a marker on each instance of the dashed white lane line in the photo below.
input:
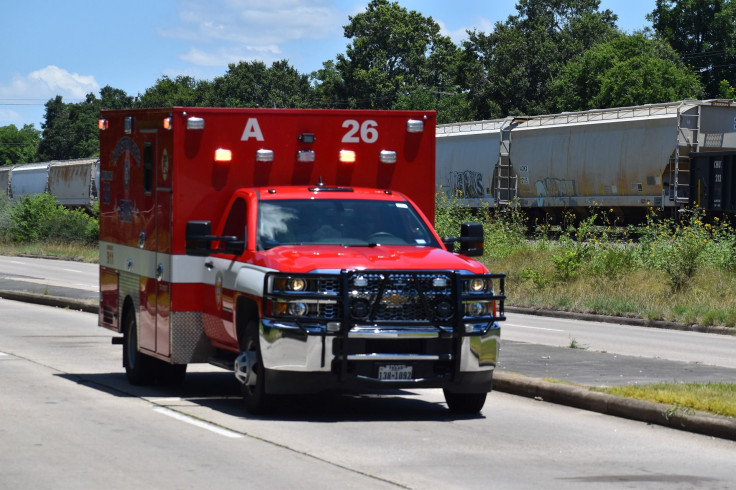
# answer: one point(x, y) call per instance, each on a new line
point(198, 423)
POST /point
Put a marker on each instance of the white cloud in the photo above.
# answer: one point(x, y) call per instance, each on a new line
point(223, 56)
point(224, 31)
point(47, 83)
point(27, 94)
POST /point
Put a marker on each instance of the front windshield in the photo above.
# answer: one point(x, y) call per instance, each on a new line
point(340, 222)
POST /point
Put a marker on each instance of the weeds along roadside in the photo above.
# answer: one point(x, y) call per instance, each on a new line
point(681, 270)
point(38, 225)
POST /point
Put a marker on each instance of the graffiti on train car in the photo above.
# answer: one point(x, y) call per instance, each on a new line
point(553, 187)
point(467, 183)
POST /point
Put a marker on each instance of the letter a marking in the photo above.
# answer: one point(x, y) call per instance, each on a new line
point(252, 130)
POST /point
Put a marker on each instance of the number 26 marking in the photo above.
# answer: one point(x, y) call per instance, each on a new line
point(357, 132)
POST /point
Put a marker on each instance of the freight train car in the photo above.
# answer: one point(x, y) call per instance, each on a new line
point(627, 159)
point(72, 182)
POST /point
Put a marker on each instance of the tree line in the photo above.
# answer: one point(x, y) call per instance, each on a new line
point(550, 56)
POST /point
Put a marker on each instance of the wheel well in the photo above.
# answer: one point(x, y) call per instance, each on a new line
point(246, 310)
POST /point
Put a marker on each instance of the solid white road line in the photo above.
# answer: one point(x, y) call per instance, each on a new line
point(198, 423)
point(533, 328)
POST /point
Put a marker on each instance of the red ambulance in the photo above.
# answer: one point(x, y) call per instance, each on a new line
point(294, 247)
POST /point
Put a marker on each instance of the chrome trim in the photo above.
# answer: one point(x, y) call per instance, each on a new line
point(394, 333)
point(399, 357)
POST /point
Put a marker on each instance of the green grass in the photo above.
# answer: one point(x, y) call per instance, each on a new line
point(66, 251)
point(714, 398)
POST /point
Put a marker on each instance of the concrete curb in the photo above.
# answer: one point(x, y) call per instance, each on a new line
point(57, 301)
point(580, 397)
point(562, 394)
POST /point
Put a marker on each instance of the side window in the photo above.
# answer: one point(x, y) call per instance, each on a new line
point(236, 220)
point(148, 167)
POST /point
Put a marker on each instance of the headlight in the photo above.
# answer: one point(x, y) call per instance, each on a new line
point(477, 284)
point(296, 284)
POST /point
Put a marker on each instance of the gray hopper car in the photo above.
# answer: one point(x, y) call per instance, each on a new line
point(627, 159)
point(72, 182)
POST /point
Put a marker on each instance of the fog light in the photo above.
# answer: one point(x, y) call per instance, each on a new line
point(297, 309)
point(475, 309)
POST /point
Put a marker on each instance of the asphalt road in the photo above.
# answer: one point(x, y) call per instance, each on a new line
point(535, 347)
point(69, 419)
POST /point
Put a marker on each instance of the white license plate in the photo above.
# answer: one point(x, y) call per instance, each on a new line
point(394, 372)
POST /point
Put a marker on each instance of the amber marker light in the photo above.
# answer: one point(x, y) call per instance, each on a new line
point(103, 124)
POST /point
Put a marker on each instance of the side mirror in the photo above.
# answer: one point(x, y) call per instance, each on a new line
point(471, 240)
point(199, 238)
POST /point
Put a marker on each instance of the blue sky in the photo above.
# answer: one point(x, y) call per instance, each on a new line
point(74, 47)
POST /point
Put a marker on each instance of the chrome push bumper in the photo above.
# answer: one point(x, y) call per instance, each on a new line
point(299, 360)
point(389, 328)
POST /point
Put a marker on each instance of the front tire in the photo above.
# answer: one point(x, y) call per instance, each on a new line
point(254, 391)
point(140, 368)
point(465, 403)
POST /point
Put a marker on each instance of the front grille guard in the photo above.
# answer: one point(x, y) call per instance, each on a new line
point(335, 315)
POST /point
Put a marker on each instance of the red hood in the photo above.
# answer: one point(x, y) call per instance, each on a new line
point(309, 258)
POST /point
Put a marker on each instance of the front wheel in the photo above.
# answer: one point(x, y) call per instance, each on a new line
point(465, 403)
point(254, 386)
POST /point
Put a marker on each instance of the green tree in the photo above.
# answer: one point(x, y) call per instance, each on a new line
point(510, 70)
point(181, 91)
point(114, 98)
point(627, 70)
point(252, 84)
point(58, 136)
point(704, 34)
point(393, 52)
point(70, 130)
point(19, 145)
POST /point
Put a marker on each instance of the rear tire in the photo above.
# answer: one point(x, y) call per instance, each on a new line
point(465, 403)
point(256, 400)
point(140, 368)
